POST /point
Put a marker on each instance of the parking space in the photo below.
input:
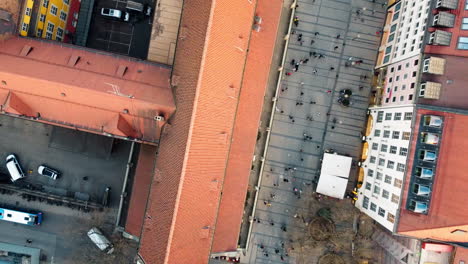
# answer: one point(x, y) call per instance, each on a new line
point(129, 38)
point(87, 164)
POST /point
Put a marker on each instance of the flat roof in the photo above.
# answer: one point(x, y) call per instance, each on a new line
point(334, 175)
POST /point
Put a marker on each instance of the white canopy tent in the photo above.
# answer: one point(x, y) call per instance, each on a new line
point(334, 175)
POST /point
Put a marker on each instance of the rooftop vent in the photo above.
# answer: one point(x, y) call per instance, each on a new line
point(418, 207)
point(439, 37)
point(434, 65)
point(26, 50)
point(443, 19)
point(447, 4)
point(74, 59)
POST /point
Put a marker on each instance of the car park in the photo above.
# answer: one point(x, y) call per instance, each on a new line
point(114, 13)
point(14, 168)
point(48, 172)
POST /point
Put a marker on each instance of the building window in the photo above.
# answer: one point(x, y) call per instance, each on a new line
point(390, 79)
point(393, 149)
point(386, 134)
point(397, 116)
point(381, 212)
point(462, 43)
point(381, 162)
point(28, 11)
point(406, 135)
point(388, 179)
point(380, 116)
point(397, 183)
point(25, 27)
point(372, 159)
point(368, 186)
point(45, 3)
point(67, 2)
point(396, 135)
point(390, 218)
point(403, 151)
point(42, 18)
point(370, 172)
point(377, 133)
point(59, 34)
point(390, 164)
point(375, 146)
point(408, 115)
point(378, 176)
point(50, 27)
point(410, 97)
point(400, 167)
point(416, 62)
point(383, 148)
point(63, 16)
point(388, 116)
point(365, 202)
point(395, 198)
point(373, 207)
point(48, 35)
point(53, 10)
point(466, 5)
point(39, 33)
point(464, 23)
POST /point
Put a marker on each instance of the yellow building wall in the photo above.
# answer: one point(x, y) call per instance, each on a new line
point(26, 18)
point(50, 18)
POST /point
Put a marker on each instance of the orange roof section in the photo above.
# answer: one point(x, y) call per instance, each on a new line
point(191, 165)
point(246, 126)
point(450, 184)
point(461, 254)
point(85, 90)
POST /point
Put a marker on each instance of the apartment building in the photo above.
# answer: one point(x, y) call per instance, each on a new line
point(384, 165)
point(404, 31)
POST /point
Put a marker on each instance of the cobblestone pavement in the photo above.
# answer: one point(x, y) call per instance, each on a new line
point(335, 43)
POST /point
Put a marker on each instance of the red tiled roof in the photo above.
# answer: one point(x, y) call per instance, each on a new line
point(86, 92)
point(193, 154)
point(450, 184)
point(246, 127)
point(140, 190)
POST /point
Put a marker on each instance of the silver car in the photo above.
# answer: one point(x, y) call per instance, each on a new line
point(114, 13)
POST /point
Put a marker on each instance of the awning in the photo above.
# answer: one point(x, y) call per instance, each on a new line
point(365, 151)
point(370, 119)
point(334, 175)
point(360, 177)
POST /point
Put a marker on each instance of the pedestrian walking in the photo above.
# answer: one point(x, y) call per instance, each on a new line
point(296, 21)
point(335, 48)
point(29, 241)
point(293, 62)
point(288, 74)
point(329, 91)
point(332, 68)
point(299, 37)
point(312, 42)
point(338, 36)
point(314, 71)
point(316, 33)
point(306, 60)
point(321, 56)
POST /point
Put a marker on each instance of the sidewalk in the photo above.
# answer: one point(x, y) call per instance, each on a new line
point(309, 119)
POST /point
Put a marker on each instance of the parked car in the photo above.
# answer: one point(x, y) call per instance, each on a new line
point(48, 172)
point(14, 168)
point(100, 240)
point(115, 13)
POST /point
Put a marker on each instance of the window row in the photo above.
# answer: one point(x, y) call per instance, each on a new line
point(396, 116)
point(373, 207)
point(395, 135)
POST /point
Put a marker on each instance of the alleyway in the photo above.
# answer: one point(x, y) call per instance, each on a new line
point(333, 46)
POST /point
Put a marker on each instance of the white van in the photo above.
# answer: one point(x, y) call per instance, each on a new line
point(100, 240)
point(14, 168)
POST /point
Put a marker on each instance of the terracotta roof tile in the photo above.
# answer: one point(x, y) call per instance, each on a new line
point(246, 126)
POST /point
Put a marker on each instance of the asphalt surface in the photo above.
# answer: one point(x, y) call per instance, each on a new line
point(76, 155)
point(309, 119)
point(117, 36)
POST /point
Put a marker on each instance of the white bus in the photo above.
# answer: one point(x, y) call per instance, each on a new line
point(20, 217)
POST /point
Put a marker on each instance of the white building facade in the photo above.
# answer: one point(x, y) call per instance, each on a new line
point(404, 31)
point(385, 164)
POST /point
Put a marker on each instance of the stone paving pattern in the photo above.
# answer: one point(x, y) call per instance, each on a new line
point(348, 31)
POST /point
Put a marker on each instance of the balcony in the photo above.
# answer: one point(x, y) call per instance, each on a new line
point(429, 90)
point(434, 65)
point(439, 37)
point(447, 4)
point(444, 19)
